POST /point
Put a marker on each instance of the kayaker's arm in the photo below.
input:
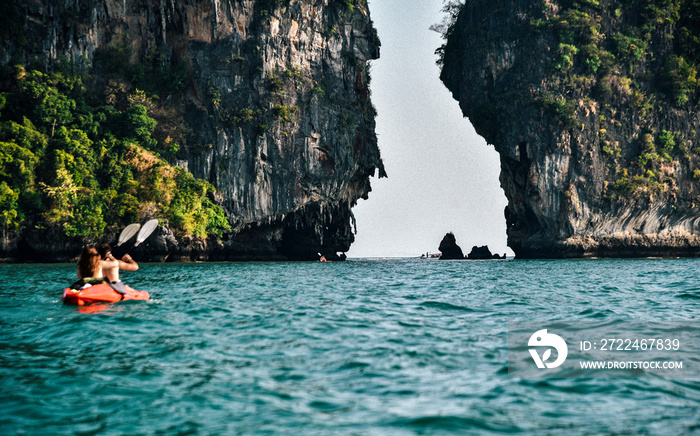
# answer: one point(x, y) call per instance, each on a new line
point(128, 264)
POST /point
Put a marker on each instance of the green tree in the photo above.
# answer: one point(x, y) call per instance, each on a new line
point(192, 211)
point(52, 108)
point(75, 156)
point(565, 60)
point(140, 125)
point(678, 79)
point(62, 197)
point(88, 220)
point(17, 166)
point(9, 214)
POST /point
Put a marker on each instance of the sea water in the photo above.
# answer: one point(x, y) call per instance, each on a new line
point(371, 346)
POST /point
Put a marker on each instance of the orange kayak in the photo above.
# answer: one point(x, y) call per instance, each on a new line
point(100, 293)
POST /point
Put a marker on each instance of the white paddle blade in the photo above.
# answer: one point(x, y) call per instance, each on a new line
point(146, 231)
point(128, 233)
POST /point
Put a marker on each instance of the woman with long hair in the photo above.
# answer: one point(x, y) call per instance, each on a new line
point(89, 264)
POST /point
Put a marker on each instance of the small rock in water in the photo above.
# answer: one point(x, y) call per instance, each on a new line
point(449, 248)
point(482, 252)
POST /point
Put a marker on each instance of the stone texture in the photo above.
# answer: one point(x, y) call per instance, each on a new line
point(558, 179)
point(289, 176)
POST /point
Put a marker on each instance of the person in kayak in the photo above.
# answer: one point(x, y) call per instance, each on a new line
point(111, 266)
point(89, 264)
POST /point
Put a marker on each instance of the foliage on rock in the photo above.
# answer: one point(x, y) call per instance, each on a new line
point(593, 106)
point(88, 154)
point(608, 54)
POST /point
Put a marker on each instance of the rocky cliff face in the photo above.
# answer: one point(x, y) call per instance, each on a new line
point(277, 112)
point(593, 108)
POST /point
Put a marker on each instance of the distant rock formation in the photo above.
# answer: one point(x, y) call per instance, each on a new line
point(483, 252)
point(451, 251)
point(449, 248)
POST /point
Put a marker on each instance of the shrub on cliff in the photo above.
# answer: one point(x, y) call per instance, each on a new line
point(678, 79)
point(83, 160)
point(605, 63)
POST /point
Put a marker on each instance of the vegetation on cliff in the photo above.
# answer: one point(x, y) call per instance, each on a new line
point(90, 153)
point(593, 106)
point(604, 56)
point(266, 101)
point(643, 52)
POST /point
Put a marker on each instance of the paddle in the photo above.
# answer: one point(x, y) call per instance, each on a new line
point(128, 233)
point(145, 232)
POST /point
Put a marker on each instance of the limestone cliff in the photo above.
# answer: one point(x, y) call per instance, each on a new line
point(277, 112)
point(593, 108)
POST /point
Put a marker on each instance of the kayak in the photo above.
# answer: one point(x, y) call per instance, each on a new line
point(99, 293)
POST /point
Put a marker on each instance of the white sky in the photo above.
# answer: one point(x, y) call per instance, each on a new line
point(442, 176)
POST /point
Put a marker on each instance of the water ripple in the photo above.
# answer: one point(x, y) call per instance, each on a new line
point(362, 347)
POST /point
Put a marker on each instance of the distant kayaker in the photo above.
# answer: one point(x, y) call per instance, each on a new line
point(111, 266)
point(89, 264)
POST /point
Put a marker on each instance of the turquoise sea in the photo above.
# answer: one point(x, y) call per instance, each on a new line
point(364, 347)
